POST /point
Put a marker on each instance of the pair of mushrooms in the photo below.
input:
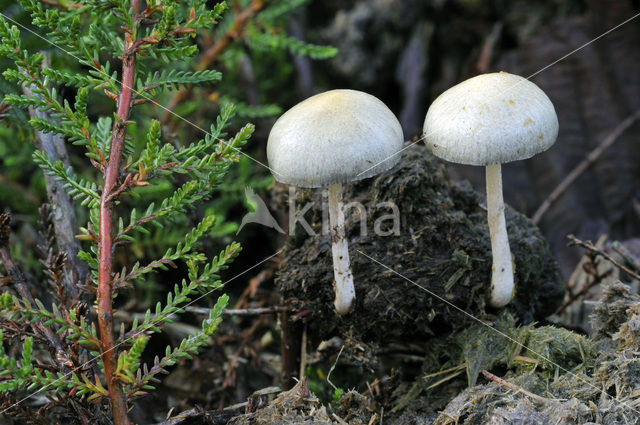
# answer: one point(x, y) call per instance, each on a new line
point(345, 135)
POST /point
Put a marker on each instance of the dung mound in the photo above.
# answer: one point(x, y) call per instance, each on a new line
point(440, 242)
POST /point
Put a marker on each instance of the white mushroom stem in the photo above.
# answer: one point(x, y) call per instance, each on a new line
point(502, 269)
point(343, 286)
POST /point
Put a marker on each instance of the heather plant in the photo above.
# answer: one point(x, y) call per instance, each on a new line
point(93, 101)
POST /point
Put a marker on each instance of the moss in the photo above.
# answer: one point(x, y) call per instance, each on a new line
point(482, 348)
point(550, 351)
point(555, 348)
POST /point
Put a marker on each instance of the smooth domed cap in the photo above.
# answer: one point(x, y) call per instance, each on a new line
point(491, 119)
point(334, 137)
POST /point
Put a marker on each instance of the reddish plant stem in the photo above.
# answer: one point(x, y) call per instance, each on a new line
point(211, 54)
point(105, 243)
point(513, 387)
point(241, 20)
point(593, 249)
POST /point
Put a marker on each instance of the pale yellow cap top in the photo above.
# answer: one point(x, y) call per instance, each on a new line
point(334, 137)
point(491, 119)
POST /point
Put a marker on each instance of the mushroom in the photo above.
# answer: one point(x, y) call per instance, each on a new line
point(328, 139)
point(489, 120)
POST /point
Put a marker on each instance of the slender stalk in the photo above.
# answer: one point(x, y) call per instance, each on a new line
point(105, 244)
point(345, 291)
point(502, 268)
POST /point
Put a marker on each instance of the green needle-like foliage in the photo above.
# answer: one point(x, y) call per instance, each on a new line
point(71, 91)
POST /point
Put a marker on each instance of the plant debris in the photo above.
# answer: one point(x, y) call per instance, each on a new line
point(301, 406)
point(577, 384)
point(542, 374)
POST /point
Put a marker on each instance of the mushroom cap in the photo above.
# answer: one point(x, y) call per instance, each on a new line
point(490, 119)
point(334, 137)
